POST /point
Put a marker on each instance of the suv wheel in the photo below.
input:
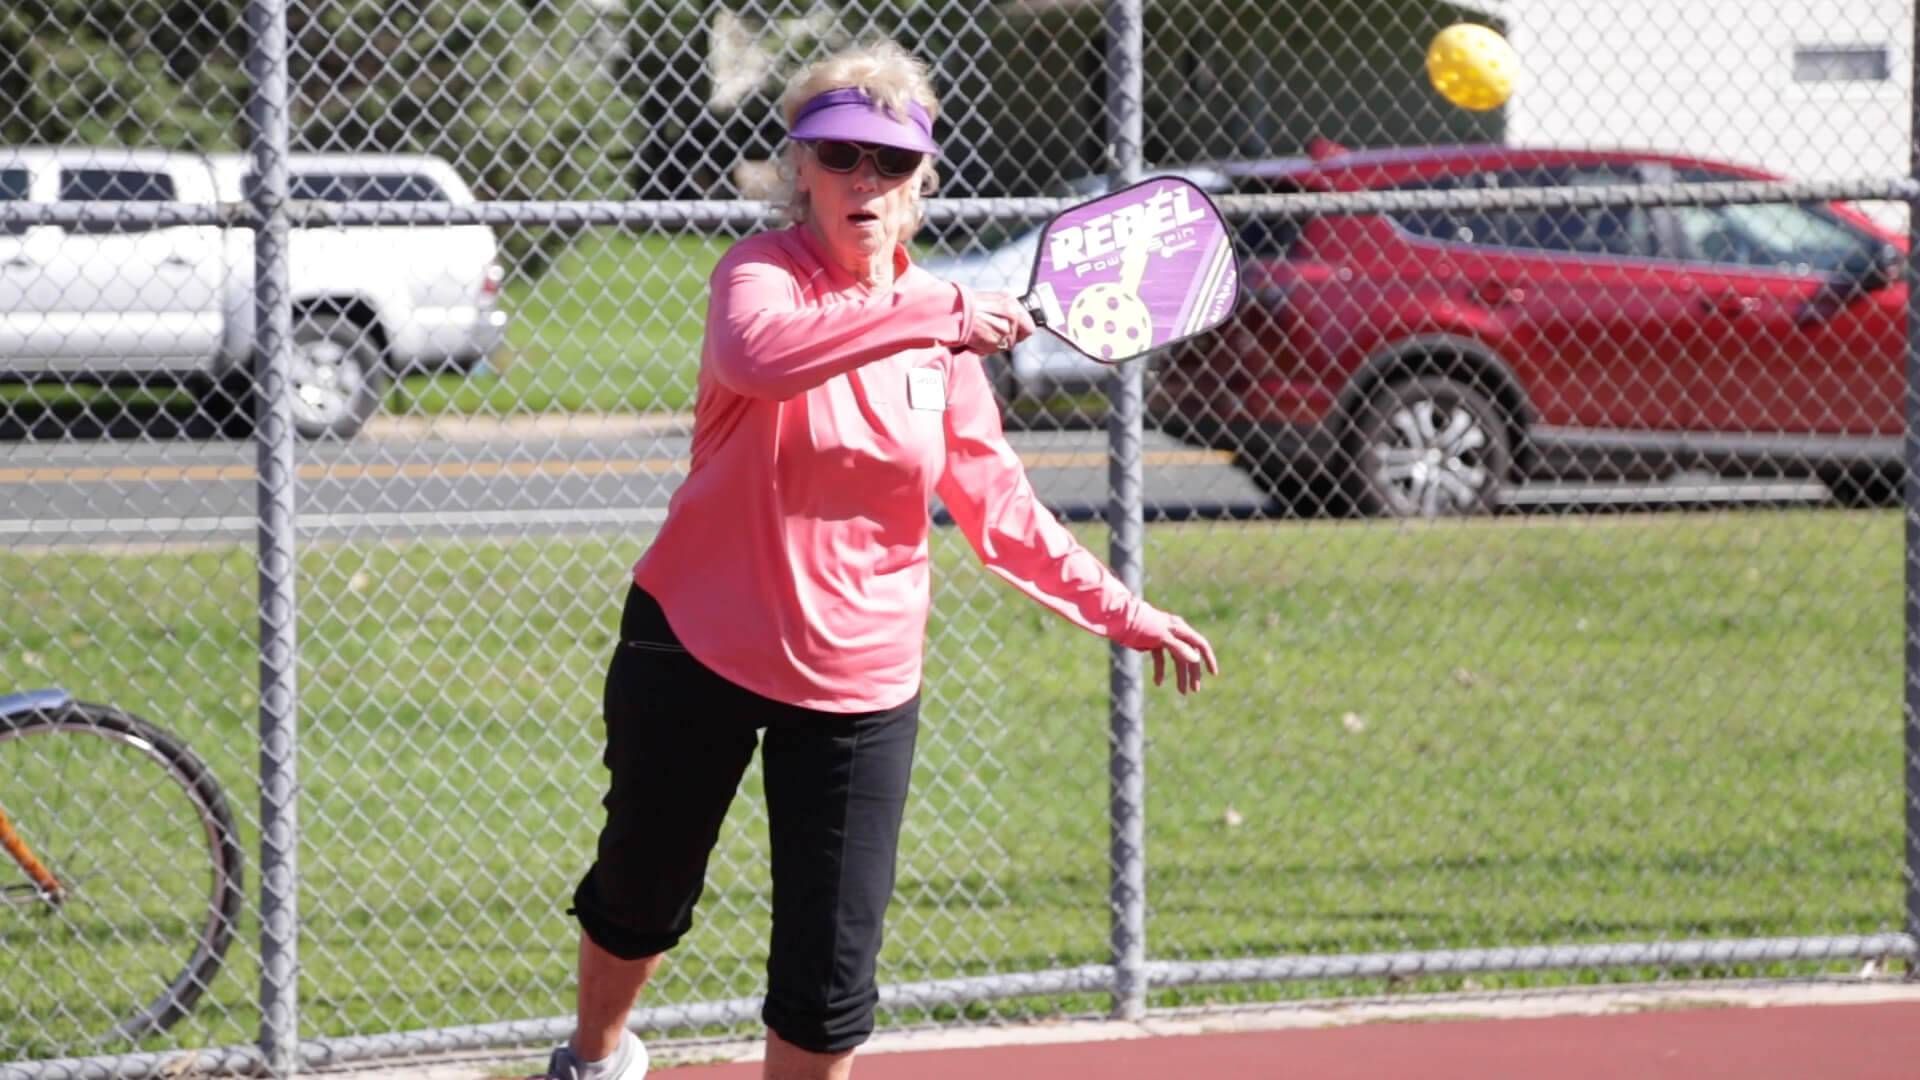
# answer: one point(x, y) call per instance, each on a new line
point(1429, 447)
point(1300, 485)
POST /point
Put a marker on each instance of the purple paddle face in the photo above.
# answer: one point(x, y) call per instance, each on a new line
point(1135, 270)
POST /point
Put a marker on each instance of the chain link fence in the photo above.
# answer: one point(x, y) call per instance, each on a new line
point(1533, 500)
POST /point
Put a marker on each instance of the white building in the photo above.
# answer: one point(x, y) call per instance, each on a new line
point(1813, 89)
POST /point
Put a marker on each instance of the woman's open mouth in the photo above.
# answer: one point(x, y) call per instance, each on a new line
point(861, 217)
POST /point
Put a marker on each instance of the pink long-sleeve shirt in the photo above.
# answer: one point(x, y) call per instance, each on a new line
point(793, 561)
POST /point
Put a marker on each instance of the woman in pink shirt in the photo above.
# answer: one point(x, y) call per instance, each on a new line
point(840, 390)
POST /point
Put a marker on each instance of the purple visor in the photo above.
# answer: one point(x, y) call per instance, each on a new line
point(851, 115)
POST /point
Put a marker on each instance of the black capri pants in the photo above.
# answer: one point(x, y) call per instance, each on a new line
point(679, 738)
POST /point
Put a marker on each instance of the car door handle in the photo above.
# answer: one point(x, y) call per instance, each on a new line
point(1499, 292)
point(20, 262)
point(1730, 304)
point(177, 262)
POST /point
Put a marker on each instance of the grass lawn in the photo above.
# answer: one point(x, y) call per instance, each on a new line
point(1472, 734)
point(613, 325)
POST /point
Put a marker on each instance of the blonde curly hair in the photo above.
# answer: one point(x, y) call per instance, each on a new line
point(890, 75)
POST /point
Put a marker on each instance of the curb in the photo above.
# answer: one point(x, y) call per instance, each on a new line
point(1499, 1005)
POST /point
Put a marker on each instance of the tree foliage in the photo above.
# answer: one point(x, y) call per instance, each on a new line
point(519, 94)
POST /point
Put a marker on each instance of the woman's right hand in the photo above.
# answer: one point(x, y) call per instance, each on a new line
point(1000, 321)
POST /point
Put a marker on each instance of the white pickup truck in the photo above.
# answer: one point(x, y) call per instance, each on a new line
point(135, 303)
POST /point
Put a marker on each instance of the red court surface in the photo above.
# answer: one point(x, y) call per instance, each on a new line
point(1814, 1042)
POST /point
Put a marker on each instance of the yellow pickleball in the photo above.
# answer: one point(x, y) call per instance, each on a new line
point(1472, 66)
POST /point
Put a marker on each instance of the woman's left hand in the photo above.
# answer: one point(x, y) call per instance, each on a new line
point(1192, 656)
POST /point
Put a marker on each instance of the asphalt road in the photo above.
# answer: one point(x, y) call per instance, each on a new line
point(403, 483)
point(402, 480)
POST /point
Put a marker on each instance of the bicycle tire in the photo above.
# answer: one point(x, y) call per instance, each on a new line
point(226, 892)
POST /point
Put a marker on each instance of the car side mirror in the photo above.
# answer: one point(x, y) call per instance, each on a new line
point(1869, 270)
point(1893, 264)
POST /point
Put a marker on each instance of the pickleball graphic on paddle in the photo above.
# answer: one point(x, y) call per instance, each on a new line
point(1130, 272)
point(1109, 319)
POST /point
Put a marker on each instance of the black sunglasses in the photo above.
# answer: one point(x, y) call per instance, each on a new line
point(840, 156)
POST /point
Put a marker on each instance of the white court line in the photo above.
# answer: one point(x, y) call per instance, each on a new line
point(1577, 494)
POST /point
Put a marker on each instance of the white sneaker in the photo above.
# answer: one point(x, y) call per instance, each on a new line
point(629, 1062)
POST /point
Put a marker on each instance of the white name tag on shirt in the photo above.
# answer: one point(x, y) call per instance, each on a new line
point(926, 389)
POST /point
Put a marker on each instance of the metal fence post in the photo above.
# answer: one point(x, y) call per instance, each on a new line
point(1911, 453)
point(1126, 752)
point(273, 414)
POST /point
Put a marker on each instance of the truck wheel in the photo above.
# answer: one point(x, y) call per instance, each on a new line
point(337, 382)
point(1866, 486)
point(338, 379)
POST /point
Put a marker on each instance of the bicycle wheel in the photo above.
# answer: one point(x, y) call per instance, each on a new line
point(140, 837)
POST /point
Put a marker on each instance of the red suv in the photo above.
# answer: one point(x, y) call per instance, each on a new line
point(1413, 363)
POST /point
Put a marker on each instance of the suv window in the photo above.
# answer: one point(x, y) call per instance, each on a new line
point(114, 185)
point(13, 188)
point(1453, 226)
point(1796, 237)
point(1604, 230)
point(1596, 230)
point(1268, 238)
point(364, 187)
